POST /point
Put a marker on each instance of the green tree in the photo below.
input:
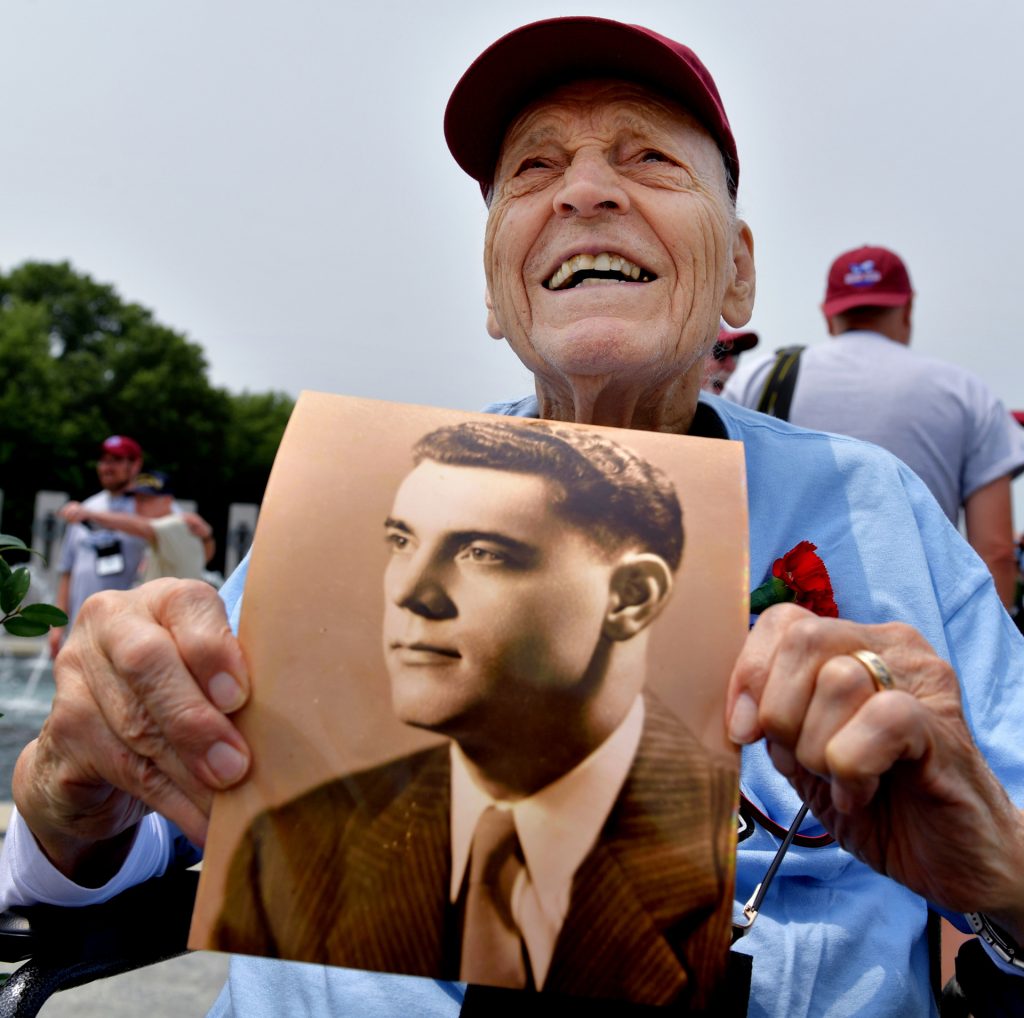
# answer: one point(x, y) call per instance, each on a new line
point(257, 423)
point(78, 363)
point(32, 432)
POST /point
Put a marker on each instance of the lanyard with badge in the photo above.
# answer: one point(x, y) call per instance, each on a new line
point(109, 553)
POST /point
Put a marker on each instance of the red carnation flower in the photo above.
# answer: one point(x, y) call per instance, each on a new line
point(800, 576)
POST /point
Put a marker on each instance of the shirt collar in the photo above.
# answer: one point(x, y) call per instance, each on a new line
point(558, 825)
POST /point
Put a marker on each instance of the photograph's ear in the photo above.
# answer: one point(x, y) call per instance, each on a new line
point(738, 302)
point(639, 589)
point(494, 330)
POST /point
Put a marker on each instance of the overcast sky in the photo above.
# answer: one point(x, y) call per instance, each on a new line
point(270, 176)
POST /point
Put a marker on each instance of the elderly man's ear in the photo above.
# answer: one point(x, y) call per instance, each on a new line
point(639, 589)
point(738, 302)
point(494, 330)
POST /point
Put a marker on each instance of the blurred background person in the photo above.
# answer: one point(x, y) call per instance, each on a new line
point(93, 558)
point(944, 422)
point(180, 544)
point(721, 362)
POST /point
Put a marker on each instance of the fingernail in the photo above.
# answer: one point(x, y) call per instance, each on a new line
point(225, 692)
point(743, 727)
point(226, 762)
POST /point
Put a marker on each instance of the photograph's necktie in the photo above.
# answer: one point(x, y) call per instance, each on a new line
point(492, 946)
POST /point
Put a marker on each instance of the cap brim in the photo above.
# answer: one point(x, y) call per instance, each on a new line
point(531, 61)
point(738, 342)
point(865, 300)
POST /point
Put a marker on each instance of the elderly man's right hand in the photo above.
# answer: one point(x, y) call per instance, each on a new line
point(139, 722)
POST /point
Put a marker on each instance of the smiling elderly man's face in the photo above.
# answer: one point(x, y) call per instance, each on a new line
point(612, 245)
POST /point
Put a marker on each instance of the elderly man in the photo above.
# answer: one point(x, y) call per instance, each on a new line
point(612, 250)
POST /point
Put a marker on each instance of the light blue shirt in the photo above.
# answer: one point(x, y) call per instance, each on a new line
point(834, 937)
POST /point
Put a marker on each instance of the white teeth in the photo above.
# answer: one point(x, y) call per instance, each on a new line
point(594, 280)
point(604, 262)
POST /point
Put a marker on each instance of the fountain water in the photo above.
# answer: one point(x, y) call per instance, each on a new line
point(26, 692)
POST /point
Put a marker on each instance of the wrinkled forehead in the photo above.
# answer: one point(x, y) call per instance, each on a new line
point(605, 102)
point(606, 106)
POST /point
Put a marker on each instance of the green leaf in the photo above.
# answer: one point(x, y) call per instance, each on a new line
point(23, 627)
point(14, 589)
point(9, 543)
point(5, 571)
point(48, 614)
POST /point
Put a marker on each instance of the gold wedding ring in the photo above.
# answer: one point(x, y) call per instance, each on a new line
point(877, 669)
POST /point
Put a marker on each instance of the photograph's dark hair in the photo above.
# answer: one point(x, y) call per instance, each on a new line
point(611, 494)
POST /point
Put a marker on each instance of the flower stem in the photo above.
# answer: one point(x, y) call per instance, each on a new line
point(772, 591)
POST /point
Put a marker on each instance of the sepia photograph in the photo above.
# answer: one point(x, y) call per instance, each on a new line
point(487, 703)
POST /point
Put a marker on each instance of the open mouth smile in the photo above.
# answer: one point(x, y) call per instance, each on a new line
point(587, 269)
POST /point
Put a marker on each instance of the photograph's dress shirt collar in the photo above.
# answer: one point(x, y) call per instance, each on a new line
point(557, 827)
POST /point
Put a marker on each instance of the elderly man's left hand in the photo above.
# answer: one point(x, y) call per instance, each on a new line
point(894, 774)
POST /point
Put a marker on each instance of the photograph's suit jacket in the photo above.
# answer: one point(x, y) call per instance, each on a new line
point(356, 873)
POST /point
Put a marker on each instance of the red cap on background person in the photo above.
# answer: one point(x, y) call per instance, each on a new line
point(866, 277)
point(730, 342)
point(721, 360)
point(535, 59)
point(123, 446)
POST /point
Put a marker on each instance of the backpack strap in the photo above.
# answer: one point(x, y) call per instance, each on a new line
point(777, 394)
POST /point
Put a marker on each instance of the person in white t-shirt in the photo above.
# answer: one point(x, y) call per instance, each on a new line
point(944, 422)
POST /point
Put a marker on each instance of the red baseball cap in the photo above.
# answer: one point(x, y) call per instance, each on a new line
point(734, 342)
point(531, 61)
point(122, 445)
point(866, 277)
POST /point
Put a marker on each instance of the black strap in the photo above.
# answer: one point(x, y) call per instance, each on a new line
point(777, 394)
point(985, 990)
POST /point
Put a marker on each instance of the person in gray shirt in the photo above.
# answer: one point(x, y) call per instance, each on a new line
point(93, 557)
